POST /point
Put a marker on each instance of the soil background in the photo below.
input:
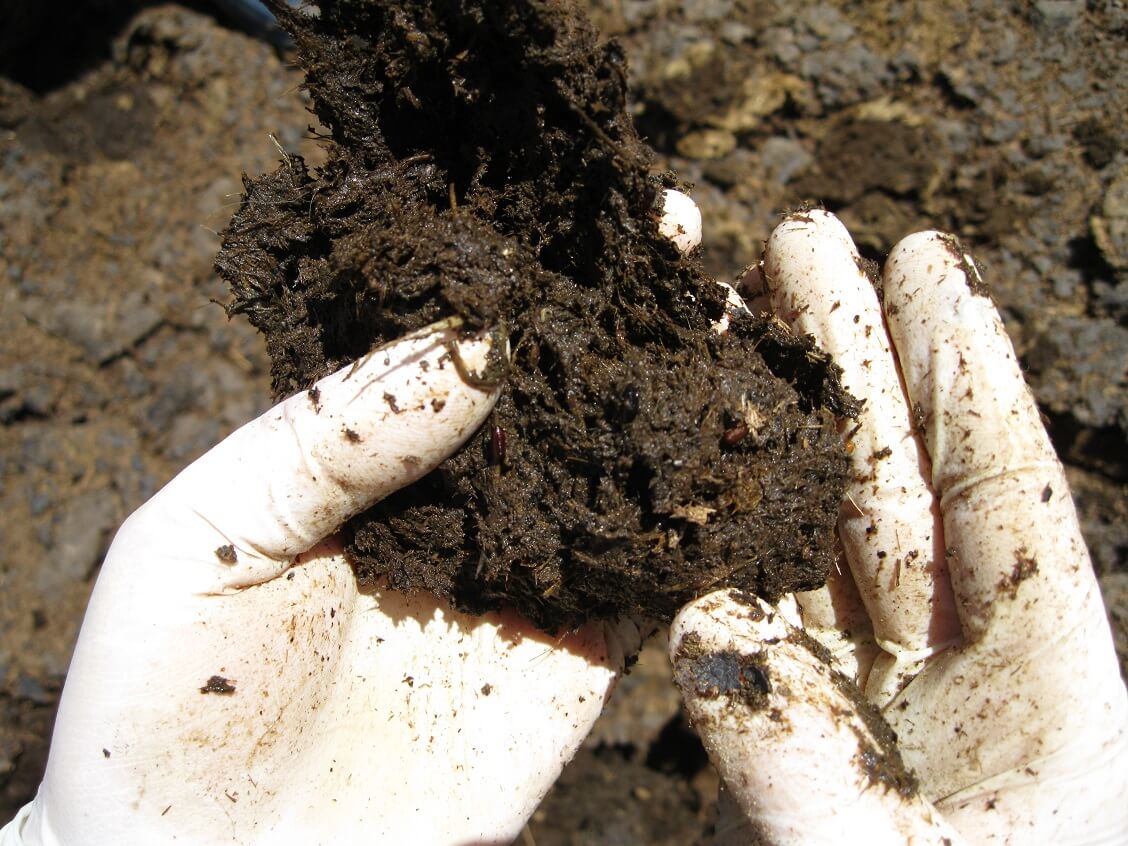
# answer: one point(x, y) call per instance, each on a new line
point(123, 137)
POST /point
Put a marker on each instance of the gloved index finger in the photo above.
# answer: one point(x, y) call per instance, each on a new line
point(888, 525)
point(286, 480)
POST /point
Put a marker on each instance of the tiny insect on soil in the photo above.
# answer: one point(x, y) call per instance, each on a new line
point(497, 446)
point(735, 435)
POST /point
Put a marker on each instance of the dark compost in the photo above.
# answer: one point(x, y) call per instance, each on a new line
point(482, 164)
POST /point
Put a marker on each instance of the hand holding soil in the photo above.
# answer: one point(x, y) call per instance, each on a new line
point(483, 168)
point(233, 677)
point(235, 680)
point(234, 683)
point(965, 607)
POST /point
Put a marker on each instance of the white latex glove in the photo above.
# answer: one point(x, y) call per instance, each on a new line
point(965, 609)
point(350, 716)
point(232, 684)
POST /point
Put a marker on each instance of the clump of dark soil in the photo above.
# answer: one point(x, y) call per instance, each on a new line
point(482, 165)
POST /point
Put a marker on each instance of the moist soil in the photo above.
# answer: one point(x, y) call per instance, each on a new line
point(482, 164)
point(121, 148)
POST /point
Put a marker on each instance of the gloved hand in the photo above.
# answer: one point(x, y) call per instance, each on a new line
point(965, 609)
point(231, 683)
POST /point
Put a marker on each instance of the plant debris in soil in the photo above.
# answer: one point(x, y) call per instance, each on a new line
point(482, 165)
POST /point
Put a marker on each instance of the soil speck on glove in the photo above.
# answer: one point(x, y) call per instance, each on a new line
point(482, 164)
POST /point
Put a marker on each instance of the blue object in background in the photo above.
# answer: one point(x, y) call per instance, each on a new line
point(255, 18)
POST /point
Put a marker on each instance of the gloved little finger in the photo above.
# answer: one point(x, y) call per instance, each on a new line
point(1023, 584)
point(288, 479)
point(804, 757)
point(1010, 527)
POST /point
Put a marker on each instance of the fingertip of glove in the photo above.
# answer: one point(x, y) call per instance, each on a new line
point(680, 220)
point(726, 620)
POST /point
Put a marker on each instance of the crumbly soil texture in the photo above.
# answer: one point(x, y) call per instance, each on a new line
point(482, 165)
point(122, 141)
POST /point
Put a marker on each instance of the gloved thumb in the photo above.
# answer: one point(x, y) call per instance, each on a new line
point(802, 755)
point(286, 480)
